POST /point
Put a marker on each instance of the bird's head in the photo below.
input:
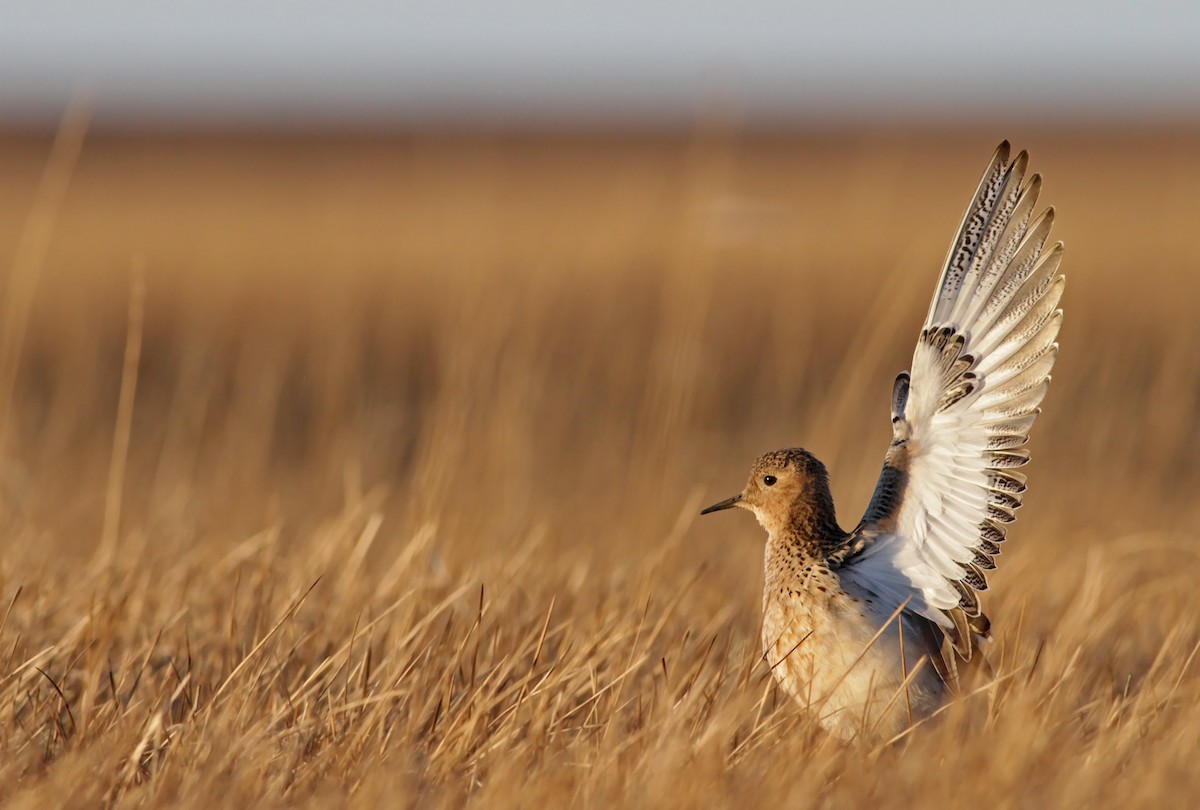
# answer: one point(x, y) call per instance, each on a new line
point(783, 485)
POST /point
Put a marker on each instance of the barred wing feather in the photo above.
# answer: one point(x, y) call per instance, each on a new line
point(980, 370)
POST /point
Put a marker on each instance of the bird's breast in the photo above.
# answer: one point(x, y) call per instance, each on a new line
point(836, 654)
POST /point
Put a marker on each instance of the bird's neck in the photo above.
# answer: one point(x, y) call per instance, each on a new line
point(812, 525)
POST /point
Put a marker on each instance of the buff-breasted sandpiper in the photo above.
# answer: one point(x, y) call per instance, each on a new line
point(871, 629)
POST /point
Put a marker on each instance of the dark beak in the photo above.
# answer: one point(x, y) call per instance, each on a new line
point(725, 504)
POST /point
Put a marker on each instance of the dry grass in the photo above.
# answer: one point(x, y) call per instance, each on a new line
point(421, 429)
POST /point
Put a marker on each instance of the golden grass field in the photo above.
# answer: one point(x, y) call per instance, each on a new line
point(400, 506)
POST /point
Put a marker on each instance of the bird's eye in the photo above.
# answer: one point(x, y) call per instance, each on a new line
point(769, 480)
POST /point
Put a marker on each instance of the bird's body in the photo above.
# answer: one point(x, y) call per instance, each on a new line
point(867, 629)
point(821, 637)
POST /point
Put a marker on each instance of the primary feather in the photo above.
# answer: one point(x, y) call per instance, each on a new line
point(979, 372)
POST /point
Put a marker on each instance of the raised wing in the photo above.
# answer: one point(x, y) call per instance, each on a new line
point(980, 370)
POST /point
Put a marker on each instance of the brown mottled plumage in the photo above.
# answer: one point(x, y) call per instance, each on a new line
point(819, 634)
point(867, 629)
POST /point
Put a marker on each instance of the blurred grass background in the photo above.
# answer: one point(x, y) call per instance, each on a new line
point(435, 363)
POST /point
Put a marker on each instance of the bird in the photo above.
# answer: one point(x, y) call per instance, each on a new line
point(875, 629)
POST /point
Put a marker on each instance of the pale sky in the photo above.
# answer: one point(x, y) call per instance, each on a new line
point(528, 61)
